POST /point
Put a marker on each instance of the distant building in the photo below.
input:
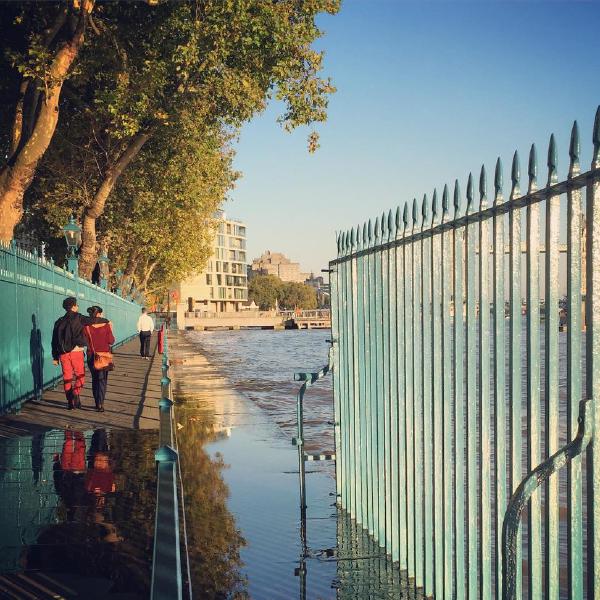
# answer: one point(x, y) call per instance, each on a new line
point(276, 263)
point(223, 285)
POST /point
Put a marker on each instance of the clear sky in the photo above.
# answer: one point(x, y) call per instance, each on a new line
point(427, 91)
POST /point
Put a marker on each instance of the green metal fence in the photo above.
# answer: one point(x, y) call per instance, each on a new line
point(32, 290)
point(463, 383)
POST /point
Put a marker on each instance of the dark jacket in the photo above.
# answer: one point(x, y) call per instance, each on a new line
point(68, 332)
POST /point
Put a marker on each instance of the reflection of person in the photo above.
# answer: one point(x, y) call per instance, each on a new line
point(69, 469)
point(68, 341)
point(36, 355)
point(99, 339)
point(145, 327)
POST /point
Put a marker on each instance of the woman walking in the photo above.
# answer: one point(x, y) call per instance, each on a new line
point(100, 338)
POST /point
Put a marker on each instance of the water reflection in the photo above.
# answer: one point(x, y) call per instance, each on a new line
point(214, 541)
point(77, 509)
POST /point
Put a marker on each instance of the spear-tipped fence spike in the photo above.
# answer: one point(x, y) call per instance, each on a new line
point(339, 242)
point(498, 179)
point(415, 212)
point(445, 201)
point(483, 185)
point(358, 237)
point(596, 140)
point(574, 149)
point(376, 231)
point(456, 198)
point(424, 209)
point(370, 231)
point(515, 175)
point(349, 241)
point(470, 193)
point(405, 215)
point(390, 224)
point(383, 225)
point(552, 161)
point(398, 220)
point(365, 235)
point(352, 239)
point(532, 168)
point(434, 206)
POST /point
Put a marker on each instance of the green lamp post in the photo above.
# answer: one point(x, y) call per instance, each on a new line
point(103, 263)
point(72, 233)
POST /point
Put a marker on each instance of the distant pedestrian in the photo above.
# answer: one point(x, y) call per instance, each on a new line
point(68, 342)
point(100, 338)
point(145, 327)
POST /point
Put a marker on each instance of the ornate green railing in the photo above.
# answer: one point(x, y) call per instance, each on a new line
point(445, 396)
point(32, 290)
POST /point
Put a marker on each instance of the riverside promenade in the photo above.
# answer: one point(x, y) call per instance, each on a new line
point(131, 400)
point(78, 489)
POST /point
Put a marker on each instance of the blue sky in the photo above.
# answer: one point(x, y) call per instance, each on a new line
point(427, 91)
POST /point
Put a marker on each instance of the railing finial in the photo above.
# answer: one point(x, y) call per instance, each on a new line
point(532, 170)
point(365, 235)
point(358, 238)
point(398, 221)
point(352, 240)
point(370, 232)
point(424, 211)
point(415, 213)
point(339, 243)
point(498, 181)
point(515, 176)
point(470, 194)
point(434, 207)
point(456, 199)
point(405, 216)
point(377, 230)
point(552, 161)
point(482, 188)
point(445, 203)
point(596, 140)
point(383, 226)
point(574, 149)
point(391, 229)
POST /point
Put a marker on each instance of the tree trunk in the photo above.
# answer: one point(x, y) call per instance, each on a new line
point(147, 275)
point(16, 175)
point(88, 254)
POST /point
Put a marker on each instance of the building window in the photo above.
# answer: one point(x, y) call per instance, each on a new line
point(229, 228)
point(242, 256)
point(212, 292)
point(229, 280)
point(218, 265)
point(240, 230)
point(221, 227)
point(220, 240)
point(222, 292)
point(219, 279)
point(225, 267)
point(232, 255)
point(208, 279)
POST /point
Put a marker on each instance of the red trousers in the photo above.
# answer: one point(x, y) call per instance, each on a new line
point(73, 372)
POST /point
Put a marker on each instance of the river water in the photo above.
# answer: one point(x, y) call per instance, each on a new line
point(261, 364)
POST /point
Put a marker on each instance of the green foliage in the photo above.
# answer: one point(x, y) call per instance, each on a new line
point(268, 290)
point(265, 290)
point(298, 295)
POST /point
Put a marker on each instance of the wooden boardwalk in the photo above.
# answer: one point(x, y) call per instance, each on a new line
point(131, 400)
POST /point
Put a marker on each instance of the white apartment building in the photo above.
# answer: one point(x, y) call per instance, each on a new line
point(223, 285)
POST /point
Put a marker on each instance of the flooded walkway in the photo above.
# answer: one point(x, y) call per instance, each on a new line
point(240, 476)
point(78, 490)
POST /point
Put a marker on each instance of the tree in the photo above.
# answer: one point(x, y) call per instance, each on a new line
point(42, 46)
point(298, 295)
point(220, 61)
point(265, 290)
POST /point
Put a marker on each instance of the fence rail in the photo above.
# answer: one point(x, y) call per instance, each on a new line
point(447, 396)
point(32, 290)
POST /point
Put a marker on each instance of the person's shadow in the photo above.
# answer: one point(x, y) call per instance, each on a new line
point(36, 356)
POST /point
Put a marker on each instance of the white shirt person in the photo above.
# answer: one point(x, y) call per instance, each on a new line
point(145, 327)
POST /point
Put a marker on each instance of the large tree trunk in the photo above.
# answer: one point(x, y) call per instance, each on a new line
point(89, 252)
point(31, 136)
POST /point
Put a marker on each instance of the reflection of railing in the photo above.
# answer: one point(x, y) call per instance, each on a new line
point(308, 379)
point(167, 582)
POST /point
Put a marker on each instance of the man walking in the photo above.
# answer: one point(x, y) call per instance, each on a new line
point(68, 341)
point(145, 327)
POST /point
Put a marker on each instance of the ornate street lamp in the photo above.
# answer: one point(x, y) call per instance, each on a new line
point(103, 263)
point(72, 233)
point(119, 282)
